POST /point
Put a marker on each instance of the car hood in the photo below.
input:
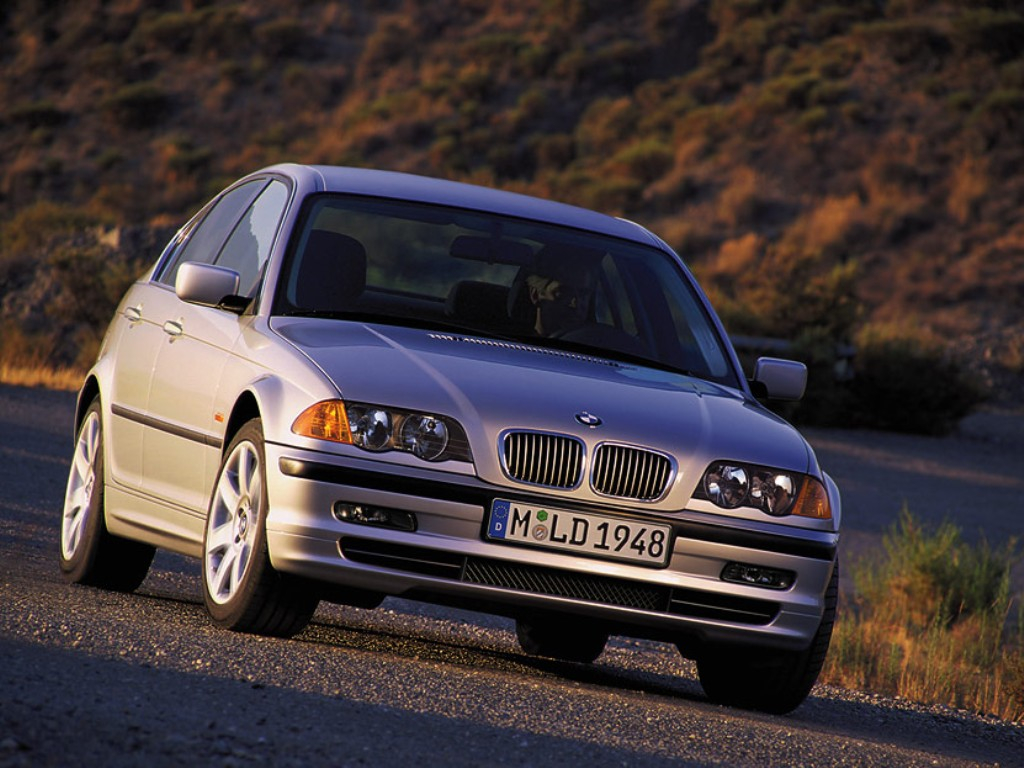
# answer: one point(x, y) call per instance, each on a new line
point(490, 386)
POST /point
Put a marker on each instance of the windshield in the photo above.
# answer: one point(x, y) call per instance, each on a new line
point(476, 273)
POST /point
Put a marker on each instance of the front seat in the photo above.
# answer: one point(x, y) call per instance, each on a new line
point(331, 273)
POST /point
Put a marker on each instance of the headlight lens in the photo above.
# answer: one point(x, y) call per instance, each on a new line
point(371, 428)
point(379, 428)
point(424, 436)
point(773, 492)
point(731, 484)
point(726, 485)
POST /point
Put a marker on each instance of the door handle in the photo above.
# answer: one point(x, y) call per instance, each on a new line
point(133, 314)
point(173, 328)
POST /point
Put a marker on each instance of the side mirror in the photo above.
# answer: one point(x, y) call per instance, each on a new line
point(207, 285)
point(779, 379)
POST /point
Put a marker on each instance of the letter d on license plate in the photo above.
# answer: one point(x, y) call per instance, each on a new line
point(612, 538)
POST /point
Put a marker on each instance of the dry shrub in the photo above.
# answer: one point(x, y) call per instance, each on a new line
point(968, 186)
point(831, 228)
point(736, 256)
point(743, 198)
point(605, 125)
point(680, 182)
point(896, 186)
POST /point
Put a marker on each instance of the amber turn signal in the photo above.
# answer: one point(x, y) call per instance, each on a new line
point(326, 420)
point(813, 501)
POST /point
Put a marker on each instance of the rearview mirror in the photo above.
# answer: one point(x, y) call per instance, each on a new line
point(780, 379)
point(492, 250)
point(207, 285)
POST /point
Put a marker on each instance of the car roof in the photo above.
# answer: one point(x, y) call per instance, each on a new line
point(407, 186)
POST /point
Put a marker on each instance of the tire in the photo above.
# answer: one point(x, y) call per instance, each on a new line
point(241, 589)
point(559, 638)
point(769, 680)
point(89, 553)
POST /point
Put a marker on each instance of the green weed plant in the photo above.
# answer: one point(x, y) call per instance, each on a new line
point(933, 619)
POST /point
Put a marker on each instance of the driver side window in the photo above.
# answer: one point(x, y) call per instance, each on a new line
point(248, 248)
point(205, 241)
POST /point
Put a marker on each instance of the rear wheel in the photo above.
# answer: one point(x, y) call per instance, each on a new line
point(769, 680)
point(89, 553)
point(241, 589)
point(561, 638)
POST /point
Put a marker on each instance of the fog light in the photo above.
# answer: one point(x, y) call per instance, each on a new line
point(758, 576)
point(380, 517)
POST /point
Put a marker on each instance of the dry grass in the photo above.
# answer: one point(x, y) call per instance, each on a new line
point(934, 621)
point(40, 375)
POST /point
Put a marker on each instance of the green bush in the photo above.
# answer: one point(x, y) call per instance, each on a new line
point(37, 114)
point(907, 381)
point(171, 31)
point(137, 105)
point(281, 37)
point(34, 226)
point(906, 40)
point(945, 578)
point(999, 34)
point(645, 160)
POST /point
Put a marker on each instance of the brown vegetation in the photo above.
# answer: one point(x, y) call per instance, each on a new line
point(821, 165)
point(933, 619)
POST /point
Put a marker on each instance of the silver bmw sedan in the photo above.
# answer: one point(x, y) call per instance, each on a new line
point(343, 384)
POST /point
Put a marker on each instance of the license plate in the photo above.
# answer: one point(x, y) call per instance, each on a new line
point(613, 538)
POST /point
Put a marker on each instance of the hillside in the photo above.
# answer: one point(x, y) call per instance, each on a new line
point(847, 170)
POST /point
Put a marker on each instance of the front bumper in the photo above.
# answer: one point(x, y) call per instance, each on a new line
point(447, 559)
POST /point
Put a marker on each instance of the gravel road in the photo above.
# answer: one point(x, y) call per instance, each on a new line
point(92, 678)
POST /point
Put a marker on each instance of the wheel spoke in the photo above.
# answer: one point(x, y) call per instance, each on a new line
point(241, 560)
point(220, 576)
point(228, 496)
point(247, 468)
point(220, 539)
point(72, 530)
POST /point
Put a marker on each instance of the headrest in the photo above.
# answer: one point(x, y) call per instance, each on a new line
point(332, 271)
point(478, 303)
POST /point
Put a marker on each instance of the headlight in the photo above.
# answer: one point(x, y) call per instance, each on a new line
point(731, 484)
point(379, 428)
point(424, 436)
point(371, 428)
point(726, 485)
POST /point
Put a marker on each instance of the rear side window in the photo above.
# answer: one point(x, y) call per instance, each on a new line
point(207, 238)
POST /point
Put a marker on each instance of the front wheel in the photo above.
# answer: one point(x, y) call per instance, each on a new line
point(769, 680)
point(89, 553)
point(241, 589)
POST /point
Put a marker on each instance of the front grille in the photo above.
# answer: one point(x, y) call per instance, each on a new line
point(577, 586)
point(554, 461)
point(555, 582)
point(630, 473)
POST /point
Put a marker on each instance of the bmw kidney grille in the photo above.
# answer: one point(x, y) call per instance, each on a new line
point(556, 461)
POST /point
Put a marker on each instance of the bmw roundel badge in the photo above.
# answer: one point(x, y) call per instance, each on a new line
point(588, 419)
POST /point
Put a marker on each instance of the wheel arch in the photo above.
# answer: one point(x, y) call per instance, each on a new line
point(246, 408)
point(90, 391)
